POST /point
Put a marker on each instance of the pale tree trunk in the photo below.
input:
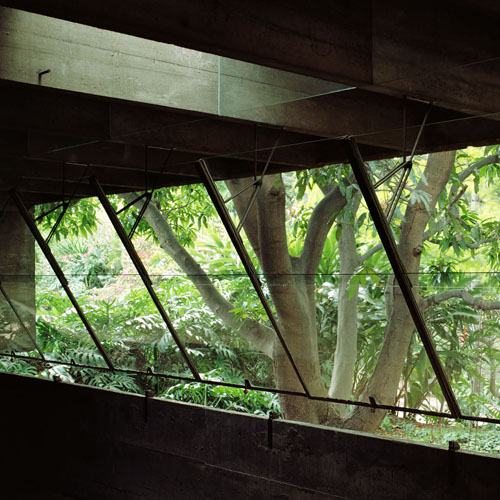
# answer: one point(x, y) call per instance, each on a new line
point(293, 300)
point(346, 348)
point(493, 378)
point(291, 285)
point(384, 382)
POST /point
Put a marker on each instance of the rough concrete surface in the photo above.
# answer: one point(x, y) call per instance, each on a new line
point(87, 443)
point(17, 279)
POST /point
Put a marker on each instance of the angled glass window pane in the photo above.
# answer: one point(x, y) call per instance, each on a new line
point(250, 88)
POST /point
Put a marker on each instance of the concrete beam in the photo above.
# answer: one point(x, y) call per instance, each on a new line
point(52, 118)
point(124, 67)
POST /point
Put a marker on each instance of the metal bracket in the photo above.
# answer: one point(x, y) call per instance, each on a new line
point(232, 231)
point(406, 165)
point(129, 247)
point(256, 183)
point(41, 73)
point(398, 268)
point(58, 272)
point(146, 194)
point(391, 209)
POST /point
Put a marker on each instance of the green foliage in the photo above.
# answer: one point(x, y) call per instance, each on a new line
point(13, 365)
point(472, 437)
point(186, 208)
point(226, 398)
point(80, 218)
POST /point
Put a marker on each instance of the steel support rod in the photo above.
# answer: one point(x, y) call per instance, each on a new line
point(251, 201)
point(21, 322)
point(257, 184)
point(41, 216)
point(421, 129)
point(218, 202)
point(129, 247)
point(58, 221)
point(148, 197)
point(373, 405)
point(397, 194)
point(133, 202)
point(390, 174)
point(58, 272)
point(398, 268)
point(232, 197)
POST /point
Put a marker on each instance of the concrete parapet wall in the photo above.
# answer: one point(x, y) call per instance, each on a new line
point(75, 442)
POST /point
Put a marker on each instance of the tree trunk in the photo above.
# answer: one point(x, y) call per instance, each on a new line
point(347, 325)
point(293, 298)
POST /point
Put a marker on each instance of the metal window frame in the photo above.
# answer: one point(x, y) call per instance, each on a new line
point(381, 223)
point(372, 404)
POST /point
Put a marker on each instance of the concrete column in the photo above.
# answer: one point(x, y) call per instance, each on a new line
point(17, 270)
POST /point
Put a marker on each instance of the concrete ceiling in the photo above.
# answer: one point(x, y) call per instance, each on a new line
point(56, 134)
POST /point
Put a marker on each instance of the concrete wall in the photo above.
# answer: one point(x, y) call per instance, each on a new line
point(17, 270)
point(86, 443)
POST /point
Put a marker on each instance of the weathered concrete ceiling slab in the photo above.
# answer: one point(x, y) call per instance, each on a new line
point(43, 129)
point(110, 100)
point(441, 51)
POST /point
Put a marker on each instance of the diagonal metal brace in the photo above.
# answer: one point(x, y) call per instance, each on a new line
point(129, 247)
point(218, 202)
point(391, 209)
point(148, 198)
point(133, 202)
point(390, 174)
point(48, 212)
point(59, 273)
point(256, 183)
point(65, 206)
point(406, 165)
point(398, 268)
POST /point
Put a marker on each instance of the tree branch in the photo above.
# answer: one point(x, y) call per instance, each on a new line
point(320, 223)
point(478, 164)
point(485, 305)
point(471, 246)
point(259, 335)
point(428, 234)
point(372, 251)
